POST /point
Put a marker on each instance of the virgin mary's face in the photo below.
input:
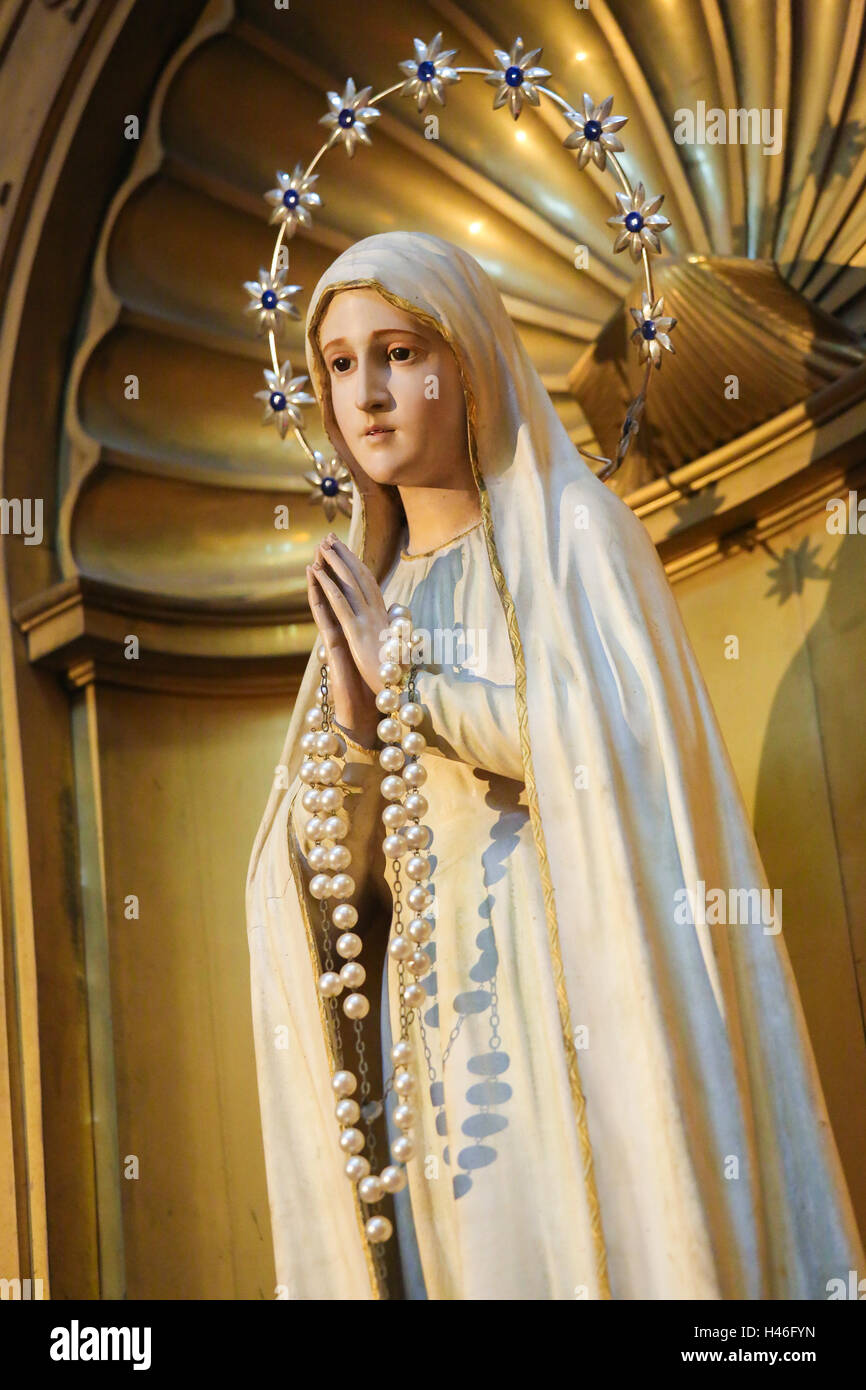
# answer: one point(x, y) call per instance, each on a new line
point(392, 375)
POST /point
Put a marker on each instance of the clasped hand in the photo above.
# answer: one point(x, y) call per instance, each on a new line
point(350, 614)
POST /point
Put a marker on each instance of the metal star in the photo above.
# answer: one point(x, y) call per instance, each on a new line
point(284, 398)
point(428, 72)
point(651, 330)
point(515, 78)
point(348, 117)
point(270, 299)
point(292, 199)
point(331, 486)
point(593, 133)
point(637, 219)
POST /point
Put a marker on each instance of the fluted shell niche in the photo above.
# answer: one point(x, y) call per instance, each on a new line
point(176, 489)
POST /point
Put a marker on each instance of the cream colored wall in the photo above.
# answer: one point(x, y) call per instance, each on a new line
point(791, 711)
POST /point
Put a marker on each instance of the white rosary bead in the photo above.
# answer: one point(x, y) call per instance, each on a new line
point(308, 742)
point(353, 974)
point(416, 805)
point(344, 1083)
point(414, 774)
point(344, 916)
point(402, 1148)
point(309, 771)
point(357, 1167)
point(418, 867)
point(330, 800)
point(327, 742)
point(342, 885)
point(418, 836)
point(352, 1141)
point(320, 886)
point(390, 673)
point(393, 1178)
point(339, 857)
point(394, 650)
point(400, 949)
point(314, 828)
point(387, 701)
point(389, 730)
point(378, 1229)
point(414, 996)
point(349, 945)
point(413, 744)
point(419, 898)
point(402, 628)
point(347, 1111)
point(313, 717)
point(310, 801)
point(322, 653)
point(405, 1116)
point(336, 827)
point(330, 984)
point(404, 1083)
point(370, 1189)
point(394, 846)
point(420, 963)
point(356, 1006)
point(330, 771)
point(318, 858)
point(394, 816)
point(392, 758)
point(393, 788)
point(420, 930)
point(401, 1053)
point(411, 714)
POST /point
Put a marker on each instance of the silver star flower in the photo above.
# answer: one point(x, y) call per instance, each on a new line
point(348, 117)
point(284, 398)
point(630, 426)
point(292, 199)
point(515, 78)
point(270, 299)
point(637, 218)
point(652, 330)
point(330, 486)
point(428, 72)
point(593, 133)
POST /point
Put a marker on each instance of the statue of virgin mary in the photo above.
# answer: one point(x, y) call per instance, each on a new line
point(618, 1096)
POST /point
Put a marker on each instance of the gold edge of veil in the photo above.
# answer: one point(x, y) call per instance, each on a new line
point(327, 1025)
point(578, 1098)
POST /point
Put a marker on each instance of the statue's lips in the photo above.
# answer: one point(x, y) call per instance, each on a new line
point(377, 433)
